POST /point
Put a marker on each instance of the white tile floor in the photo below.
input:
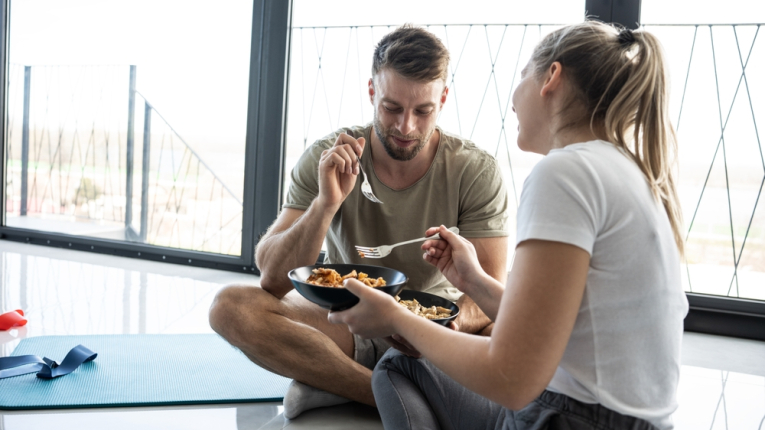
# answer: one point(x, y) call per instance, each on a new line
point(68, 292)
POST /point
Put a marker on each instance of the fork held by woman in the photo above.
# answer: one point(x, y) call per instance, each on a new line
point(383, 250)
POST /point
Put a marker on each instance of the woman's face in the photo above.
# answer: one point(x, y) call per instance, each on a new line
point(533, 116)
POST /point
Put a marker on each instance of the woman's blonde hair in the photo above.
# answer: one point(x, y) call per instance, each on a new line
point(621, 82)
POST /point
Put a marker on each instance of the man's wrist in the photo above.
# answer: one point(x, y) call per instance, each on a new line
point(325, 208)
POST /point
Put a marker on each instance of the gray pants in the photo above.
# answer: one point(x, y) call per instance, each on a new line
point(413, 394)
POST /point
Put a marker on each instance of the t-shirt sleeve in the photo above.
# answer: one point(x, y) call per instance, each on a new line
point(304, 184)
point(561, 202)
point(484, 203)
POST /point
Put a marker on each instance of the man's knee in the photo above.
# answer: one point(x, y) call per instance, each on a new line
point(237, 305)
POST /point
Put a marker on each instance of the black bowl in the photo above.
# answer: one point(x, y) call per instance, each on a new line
point(338, 299)
point(428, 300)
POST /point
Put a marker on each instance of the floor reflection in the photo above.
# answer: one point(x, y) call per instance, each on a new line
point(64, 297)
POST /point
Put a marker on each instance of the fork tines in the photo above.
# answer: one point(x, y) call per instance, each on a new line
point(368, 252)
point(371, 196)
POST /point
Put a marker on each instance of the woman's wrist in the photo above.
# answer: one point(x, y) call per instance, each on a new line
point(484, 285)
point(400, 319)
point(474, 285)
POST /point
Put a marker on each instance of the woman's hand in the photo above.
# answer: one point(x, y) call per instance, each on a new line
point(455, 257)
point(375, 314)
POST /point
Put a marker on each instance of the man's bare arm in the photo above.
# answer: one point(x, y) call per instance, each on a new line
point(293, 240)
point(478, 312)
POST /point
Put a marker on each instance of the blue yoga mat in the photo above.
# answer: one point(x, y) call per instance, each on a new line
point(142, 370)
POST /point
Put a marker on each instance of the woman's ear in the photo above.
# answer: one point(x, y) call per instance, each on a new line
point(553, 78)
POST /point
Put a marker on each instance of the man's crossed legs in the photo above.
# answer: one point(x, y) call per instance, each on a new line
point(292, 337)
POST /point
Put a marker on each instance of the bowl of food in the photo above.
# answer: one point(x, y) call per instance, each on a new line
point(430, 306)
point(323, 284)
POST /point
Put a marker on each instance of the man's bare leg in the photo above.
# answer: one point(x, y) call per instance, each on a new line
point(293, 338)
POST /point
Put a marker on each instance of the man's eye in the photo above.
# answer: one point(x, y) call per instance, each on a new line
point(420, 112)
point(390, 109)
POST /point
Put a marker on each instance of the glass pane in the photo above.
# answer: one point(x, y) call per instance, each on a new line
point(717, 107)
point(127, 120)
point(489, 43)
point(702, 12)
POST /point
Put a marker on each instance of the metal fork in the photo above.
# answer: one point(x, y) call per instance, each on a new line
point(383, 250)
point(366, 189)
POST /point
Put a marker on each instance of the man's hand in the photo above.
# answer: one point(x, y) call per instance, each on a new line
point(402, 345)
point(470, 319)
point(338, 169)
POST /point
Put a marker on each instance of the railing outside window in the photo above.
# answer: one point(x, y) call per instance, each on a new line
point(88, 154)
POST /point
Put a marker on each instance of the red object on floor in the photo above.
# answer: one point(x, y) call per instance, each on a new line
point(12, 319)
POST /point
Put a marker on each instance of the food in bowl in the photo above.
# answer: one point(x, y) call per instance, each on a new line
point(431, 313)
point(324, 277)
point(337, 299)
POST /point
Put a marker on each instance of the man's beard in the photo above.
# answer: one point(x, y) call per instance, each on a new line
point(395, 152)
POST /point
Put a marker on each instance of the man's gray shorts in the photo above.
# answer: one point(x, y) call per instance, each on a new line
point(367, 352)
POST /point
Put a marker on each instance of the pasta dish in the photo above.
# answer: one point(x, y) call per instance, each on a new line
point(330, 278)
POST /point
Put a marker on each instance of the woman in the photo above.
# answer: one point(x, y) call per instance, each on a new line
point(588, 330)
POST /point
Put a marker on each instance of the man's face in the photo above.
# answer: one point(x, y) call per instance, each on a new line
point(405, 112)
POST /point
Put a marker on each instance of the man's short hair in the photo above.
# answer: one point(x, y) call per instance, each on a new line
point(413, 53)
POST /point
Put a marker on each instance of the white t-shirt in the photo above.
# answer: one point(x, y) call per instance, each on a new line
point(624, 352)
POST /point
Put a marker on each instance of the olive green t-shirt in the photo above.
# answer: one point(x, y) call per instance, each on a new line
point(462, 188)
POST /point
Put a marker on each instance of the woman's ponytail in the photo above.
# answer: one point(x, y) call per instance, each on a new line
point(623, 86)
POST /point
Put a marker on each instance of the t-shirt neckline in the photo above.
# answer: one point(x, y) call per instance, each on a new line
point(580, 144)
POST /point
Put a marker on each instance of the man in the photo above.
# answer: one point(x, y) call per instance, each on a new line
point(424, 177)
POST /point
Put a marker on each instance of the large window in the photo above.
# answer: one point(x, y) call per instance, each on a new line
point(716, 58)
point(135, 127)
point(127, 120)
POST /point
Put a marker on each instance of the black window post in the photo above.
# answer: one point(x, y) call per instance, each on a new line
point(623, 12)
point(267, 120)
point(4, 6)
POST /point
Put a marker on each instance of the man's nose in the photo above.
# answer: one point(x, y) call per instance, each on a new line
point(408, 123)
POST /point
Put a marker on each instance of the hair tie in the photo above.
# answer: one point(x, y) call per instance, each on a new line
point(626, 38)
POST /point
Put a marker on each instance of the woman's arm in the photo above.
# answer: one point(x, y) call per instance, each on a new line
point(533, 325)
point(479, 309)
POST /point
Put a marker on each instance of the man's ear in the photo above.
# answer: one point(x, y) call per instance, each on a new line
point(443, 96)
point(372, 91)
point(553, 78)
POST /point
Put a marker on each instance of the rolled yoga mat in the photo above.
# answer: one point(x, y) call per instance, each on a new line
point(142, 370)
